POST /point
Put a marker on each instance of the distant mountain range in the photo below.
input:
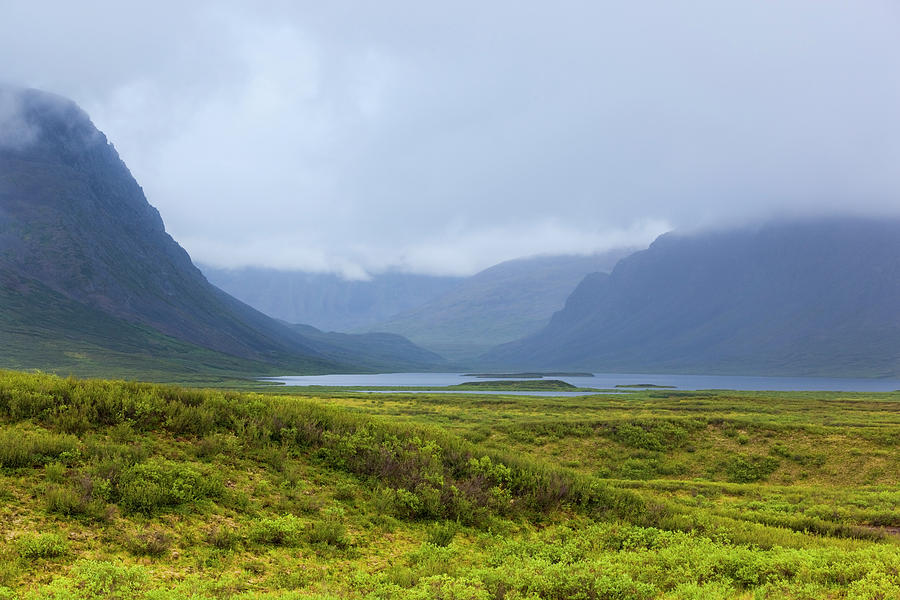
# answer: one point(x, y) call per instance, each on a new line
point(497, 305)
point(92, 283)
point(457, 317)
point(816, 297)
point(325, 300)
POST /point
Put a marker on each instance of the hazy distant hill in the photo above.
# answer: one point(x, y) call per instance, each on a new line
point(90, 276)
point(499, 304)
point(803, 298)
point(325, 300)
point(384, 347)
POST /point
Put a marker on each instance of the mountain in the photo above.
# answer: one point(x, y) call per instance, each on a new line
point(325, 300)
point(815, 297)
point(500, 304)
point(386, 348)
point(90, 275)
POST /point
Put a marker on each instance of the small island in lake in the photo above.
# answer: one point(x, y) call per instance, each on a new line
point(525, 375)
point(535, 386)
point(645, 385)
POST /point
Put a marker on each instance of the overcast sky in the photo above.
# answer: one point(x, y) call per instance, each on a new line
point(443, 137)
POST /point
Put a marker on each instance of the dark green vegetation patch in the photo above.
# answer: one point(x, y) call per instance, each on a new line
point(539, 385)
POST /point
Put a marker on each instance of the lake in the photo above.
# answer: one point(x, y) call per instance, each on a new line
point(607, 381)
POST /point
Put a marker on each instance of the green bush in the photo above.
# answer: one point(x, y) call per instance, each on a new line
point(78, 502)
point(160, 484)
point(101, 580)
point(636, 468)
point(286, 530)
point(330, 533)
point(650, 434)
point(431, 469)
point(345, 492)
point(48, 545)
point(801, 458)
point(402, 503)
point(749, 469)
point(29, 448)
point(442, 534)
point(64, 501)
point(55, 472)
point(330, 530)
point(217, 444)
point(423, 563)
point(606, 500)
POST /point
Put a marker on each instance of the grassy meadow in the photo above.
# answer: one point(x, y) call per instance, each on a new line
point(112, 489)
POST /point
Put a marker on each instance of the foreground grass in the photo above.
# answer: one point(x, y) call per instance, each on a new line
point(126, 490)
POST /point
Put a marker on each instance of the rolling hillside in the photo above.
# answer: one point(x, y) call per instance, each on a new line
point(127, 490)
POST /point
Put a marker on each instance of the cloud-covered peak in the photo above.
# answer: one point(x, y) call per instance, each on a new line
point(444, 139)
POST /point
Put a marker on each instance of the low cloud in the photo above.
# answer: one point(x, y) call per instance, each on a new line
point(16, 131)
point(451, 252)
point(445, 138)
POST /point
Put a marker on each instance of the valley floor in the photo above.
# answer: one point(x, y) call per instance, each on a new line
point(129, 490)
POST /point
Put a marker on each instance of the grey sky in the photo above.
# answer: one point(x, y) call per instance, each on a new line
point(445, 137)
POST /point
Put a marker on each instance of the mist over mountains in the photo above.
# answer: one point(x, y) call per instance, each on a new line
point(457, 317)
point(811, 297)
point(326, 300)
point(91, 280)
point(500, 304)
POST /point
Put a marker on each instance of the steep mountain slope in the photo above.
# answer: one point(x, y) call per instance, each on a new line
point(325, 300)
point(44, 329)
point(77, 234)
point(802, 298)
point(500, 304)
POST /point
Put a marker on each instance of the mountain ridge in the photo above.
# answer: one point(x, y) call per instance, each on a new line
point(802, 297)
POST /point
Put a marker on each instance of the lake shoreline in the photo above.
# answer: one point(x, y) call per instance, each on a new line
point(596, 381)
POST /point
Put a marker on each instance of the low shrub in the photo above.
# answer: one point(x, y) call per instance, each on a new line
point(217, 444)
point(806, 459)
point(160, 484)
point(150, 542)
point(330, 530)
point(442, 534)
point(652, 434)
point(79, 499)
point(330, 533)
point(286, 530)
point(636, 468)
point(48, 545)
point(64, 501)
point(102, 580)
point(749, 469)
point(55, 472)
point(345, 492)
point(222, 538)
point(21, 447)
